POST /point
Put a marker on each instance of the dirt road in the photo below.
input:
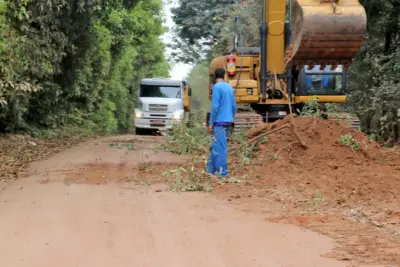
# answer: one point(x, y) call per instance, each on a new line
point(49, 220)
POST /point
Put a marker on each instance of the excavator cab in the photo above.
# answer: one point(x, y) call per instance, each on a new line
point(325, 82)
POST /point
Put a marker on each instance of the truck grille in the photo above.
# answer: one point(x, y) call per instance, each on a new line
point(158, 107)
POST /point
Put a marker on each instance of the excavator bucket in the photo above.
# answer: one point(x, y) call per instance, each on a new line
point(326, 32)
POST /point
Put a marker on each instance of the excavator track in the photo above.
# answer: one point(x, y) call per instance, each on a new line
point(243, 120)
point(348, 120)
point(246, 120)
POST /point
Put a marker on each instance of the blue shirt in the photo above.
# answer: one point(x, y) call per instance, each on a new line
point(223, 103)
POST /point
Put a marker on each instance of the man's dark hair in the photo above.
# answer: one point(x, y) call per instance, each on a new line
point(219, 73)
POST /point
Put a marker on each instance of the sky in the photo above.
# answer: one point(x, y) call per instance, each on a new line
point(179, 71)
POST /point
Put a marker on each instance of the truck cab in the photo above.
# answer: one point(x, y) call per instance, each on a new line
point(161, 103)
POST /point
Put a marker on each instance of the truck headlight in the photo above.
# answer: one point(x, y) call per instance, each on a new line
point(138, 114)
point(177, 115)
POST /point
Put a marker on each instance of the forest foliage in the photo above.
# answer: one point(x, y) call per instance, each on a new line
point(74, 66)
point(374, 77)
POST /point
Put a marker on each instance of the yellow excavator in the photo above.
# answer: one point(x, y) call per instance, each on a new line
point(300, 60)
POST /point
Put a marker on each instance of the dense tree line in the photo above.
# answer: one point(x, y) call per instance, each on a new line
point(375, 75)
point(374, 81)
point(75, 65)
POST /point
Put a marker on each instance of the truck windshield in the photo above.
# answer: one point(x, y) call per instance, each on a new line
point(323, 82)
point(160, 91)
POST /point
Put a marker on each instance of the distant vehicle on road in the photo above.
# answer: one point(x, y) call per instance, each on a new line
point(161, 103)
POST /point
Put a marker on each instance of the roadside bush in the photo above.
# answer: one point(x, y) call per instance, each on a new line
point(75, 66)
point(189, 138)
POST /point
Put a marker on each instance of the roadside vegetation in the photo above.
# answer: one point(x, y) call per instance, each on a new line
point(69, 70)
point(188, 138)
point(192, 139)
point(72, 67)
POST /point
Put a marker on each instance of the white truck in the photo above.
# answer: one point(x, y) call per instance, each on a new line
point(161, 103)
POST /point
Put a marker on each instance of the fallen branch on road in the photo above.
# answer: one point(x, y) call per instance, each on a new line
point(259, 137)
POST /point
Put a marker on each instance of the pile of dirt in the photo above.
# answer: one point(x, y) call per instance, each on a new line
point(17, 151)
point(340, 163)
point(350, 182)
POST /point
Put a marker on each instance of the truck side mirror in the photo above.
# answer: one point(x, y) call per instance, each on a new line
point(190, 91)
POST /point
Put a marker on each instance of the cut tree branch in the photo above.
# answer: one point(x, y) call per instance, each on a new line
point(257, 138)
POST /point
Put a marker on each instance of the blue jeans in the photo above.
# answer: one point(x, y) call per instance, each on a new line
point(217, 161)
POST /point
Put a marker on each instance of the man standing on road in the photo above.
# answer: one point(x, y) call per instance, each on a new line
point(223, 110)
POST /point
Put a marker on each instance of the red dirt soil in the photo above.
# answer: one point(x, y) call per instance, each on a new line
point(349, 194)
point(46, 223)
point(340, 173)
point(101, 173)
